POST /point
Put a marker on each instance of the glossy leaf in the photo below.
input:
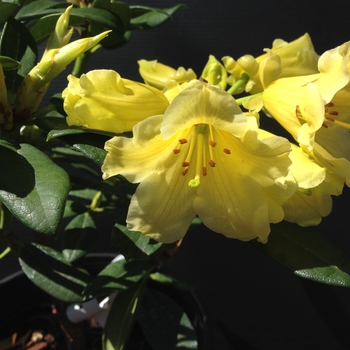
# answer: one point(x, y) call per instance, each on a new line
point(170, 281)
point(8, 8)
point(34, 11)
point(17, 43)
point(40, 199)
point(117, 276)
point(133, 245)
point(147, 17)
point(38, 8)
point(47, 269)
point(165, 324)
point(88, 144)
point(79, 237)
point(8, 63)
point(307, 253)
point(44, 26)
point(76, 130)
point(73, 209)
point(121, 317)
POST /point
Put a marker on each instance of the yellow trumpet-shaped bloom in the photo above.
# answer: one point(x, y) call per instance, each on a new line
point(158, 74)
point(202, 157)
point(316, 185)
point(284, 59)
point(103, 100)
point(303, 104)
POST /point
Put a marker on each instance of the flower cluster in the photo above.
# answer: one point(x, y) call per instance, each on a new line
point(195, 150)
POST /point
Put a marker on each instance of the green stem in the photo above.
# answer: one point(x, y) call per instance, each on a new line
point(239, 83)
point(80, 64)
point(81, 61)
point(241, 100)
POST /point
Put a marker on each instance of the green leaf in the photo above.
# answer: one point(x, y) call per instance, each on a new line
point(170, 281)
point(8, 63)
point(143, 17)
point(9, 8)
point(307, 253)
point(44, 26)
point(77, 15)
point(73, 209)
point(79, 237)
point(133, 245)
point(17, 43)
point(117, 276)
point(85, 141)
point(164, 323)
point(38, 8)
point(121, 317)
point(75, 130)
point(33, 188)
point(47, 269)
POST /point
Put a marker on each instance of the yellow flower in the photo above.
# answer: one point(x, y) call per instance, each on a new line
point(37, 81)
point(157, 74)
point(303, 104)
point(102, 100)
point(316, 185)
point(215, 73)
point(294, 58)
point(202, 157)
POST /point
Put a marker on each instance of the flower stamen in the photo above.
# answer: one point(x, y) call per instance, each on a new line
point(329, 117)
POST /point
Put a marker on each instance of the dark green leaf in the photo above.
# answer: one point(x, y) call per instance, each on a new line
point(73, 208)
point(39, 8)
point(48, 123)
point(77, 15)
point(44, 26)
point(9, 8)
point(307, 253)
point(84, 141)
point(171, 281)
point(165, 324)
point(133, 245)
point(117, 276)
point(76, 130)
point(47, 268)
point(79, 237)
point(33, 188)
point(121, 317)
point(17, 43)
point(8, 63)
point(146, 17)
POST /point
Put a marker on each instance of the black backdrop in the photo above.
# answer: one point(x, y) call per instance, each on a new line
point(251, 302)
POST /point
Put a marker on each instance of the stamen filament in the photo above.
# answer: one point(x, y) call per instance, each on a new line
point(337, 122)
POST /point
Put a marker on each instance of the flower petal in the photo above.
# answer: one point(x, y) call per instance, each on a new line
point(203, 104)
point(162, 206)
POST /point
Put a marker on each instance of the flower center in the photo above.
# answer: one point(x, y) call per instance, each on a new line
point(330, 115)
point(203, 143)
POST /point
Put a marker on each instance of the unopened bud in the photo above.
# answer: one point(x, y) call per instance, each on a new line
point(215, 73)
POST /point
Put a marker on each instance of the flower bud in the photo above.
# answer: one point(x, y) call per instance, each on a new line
point(36, 83)
point(61, 35)
point(102, 100)
point(157, 74)
point(215, 73)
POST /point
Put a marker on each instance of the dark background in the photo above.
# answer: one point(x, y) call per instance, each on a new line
point(250, 301)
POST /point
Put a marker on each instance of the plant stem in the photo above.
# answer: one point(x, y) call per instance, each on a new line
point(239, 83)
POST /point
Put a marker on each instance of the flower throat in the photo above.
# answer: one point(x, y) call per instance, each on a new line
point(203, 142)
